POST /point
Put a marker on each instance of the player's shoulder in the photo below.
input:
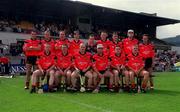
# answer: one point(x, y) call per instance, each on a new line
point(141, 44)
point(88, 53)
point(95, 55)
point(112, 55)
point(27, 40)
point(98, 41)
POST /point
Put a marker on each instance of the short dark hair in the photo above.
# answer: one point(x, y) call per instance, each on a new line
point(146, 35)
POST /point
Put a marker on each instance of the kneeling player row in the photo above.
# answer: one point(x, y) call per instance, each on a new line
point(68, 69)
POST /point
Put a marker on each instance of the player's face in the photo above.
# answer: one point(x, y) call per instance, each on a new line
point(47, 35)
point(76, 35)
point(82, 48)
point(33, 35)
point(117, 50)
point(64, 49)
point(100, 50)
point(115, 37)
point(91, 39)
point(135, 50)
point(131, 34)
point(62, 34)
point(103, 36)
point(47, 48)
point(145, 39)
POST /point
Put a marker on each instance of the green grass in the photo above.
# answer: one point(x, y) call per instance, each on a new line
point(165, 98)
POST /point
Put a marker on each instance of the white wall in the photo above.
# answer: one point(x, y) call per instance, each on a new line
point(8, 37)
point(175, 48)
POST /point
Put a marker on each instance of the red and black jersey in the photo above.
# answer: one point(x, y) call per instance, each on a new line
point(128, 44)
point(105, 45)
point(112, 46)
point(32, 43)
point(61, 42)
point(82, 61)
point(51, 42)
point(135, 62)
point(117, 60)
point(74, 46)
point(4, 60)
point(46, 61)
point(147, 50)
point(101, 62)
point(64, 61)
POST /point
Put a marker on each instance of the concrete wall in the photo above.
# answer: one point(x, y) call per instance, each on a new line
point(8, 37)
point(175, 48)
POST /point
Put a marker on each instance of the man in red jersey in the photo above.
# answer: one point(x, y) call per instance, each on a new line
point(91, 44)
point(115, 42)
point(64, 66)
point(74, 46)
point(4, 61)
point(135, 65)
point(146, 48)
point(61, 41)
point(101, 68)
point(82, 65)
point(48, 40)
point(129, 42)
point(45, 67)
point(118, 66)
point(104, 41)
point(32, 49)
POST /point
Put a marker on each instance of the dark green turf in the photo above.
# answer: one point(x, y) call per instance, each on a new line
point(165, 98)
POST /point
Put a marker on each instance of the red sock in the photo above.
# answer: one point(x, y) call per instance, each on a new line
point(110, 86)
point(133, 85)
point(143, 85)
point(37, 84)
point(33, 86)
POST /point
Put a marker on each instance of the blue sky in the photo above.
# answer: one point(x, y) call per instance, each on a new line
point(163, 8)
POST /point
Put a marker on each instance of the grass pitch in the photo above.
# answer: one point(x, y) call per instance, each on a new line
point(165, 98)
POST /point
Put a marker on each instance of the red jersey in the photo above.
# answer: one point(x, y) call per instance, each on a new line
point(82, 61)
point(64, 61)
point(147, 50)
point(31, 43)
point(105, 45)
point(117, 60)
point(46, 61)
point(101, 62)
point(135, 63)
point(4, 60)
point(50, 42)
point(112, 46)
point(128, 44)
point(59, 43)
point(74, 46)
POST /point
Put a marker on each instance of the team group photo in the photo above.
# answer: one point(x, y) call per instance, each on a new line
point(89, 55)
point(77, 65)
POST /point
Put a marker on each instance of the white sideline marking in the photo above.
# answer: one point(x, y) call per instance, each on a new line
point(83, 104)
point(72, 101)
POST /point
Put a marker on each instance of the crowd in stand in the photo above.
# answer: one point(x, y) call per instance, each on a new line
point(165, 60)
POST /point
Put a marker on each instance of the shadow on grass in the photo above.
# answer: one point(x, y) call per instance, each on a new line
point(165, 92)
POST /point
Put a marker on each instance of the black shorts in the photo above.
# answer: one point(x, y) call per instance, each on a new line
point(148, 63)
point(82, 73)
point(102, 71)
point(31, 60)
